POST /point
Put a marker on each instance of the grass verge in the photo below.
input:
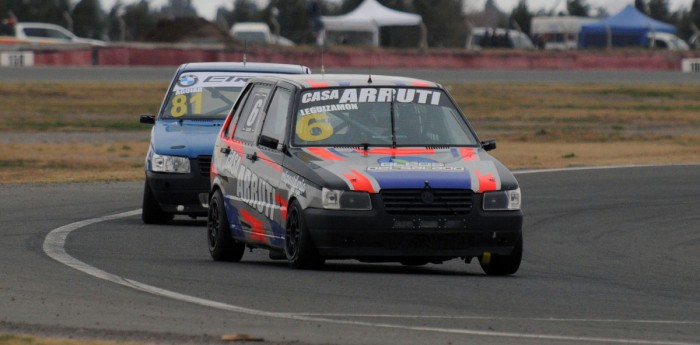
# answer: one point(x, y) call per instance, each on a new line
point(537, 126)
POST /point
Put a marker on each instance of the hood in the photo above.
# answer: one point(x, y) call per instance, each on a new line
point(187, 138)
point(407, 168)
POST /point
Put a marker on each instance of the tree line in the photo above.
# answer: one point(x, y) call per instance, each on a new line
point(444, 20)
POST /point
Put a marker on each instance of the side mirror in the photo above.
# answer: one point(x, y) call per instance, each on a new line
point(268, 142)
point(489, 145)
point(147, 119)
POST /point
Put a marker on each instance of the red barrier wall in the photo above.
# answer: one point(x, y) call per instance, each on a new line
point(378, 58)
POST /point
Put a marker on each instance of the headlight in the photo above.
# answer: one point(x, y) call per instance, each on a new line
point(505, 200)
point(170, 164)
point(345, 200)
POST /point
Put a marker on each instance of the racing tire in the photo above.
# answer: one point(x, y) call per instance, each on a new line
point(298, 246)
point(151, 213)
point(503, 265)
point(222, 246)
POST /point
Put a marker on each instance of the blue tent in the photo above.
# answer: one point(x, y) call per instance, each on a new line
point(628, 28)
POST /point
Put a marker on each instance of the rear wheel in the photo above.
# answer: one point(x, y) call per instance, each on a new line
point(151, 213)
point(222, 246)
point(503, 265)
point(300, 250)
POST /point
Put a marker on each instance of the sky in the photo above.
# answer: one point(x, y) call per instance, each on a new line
point(207, 8)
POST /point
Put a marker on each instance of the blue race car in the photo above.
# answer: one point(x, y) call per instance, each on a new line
point(196, 104)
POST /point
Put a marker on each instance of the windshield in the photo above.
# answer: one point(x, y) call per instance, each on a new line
point(383, 116)
point(204, 95)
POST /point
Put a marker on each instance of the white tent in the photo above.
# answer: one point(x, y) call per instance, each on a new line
point(368, 18)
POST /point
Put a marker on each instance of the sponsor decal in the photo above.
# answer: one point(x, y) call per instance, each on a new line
point(295, 184)
point(374, 95)
point(210, 79)
point(327, 108)
point(399, 165)
point(187, 80)
point(250, 188)
point(188, 90)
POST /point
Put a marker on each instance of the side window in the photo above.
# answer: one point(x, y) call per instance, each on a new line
point(32, 32)
point(236, 111)
point(277, 115)
point(252, 113)
point(56, 34)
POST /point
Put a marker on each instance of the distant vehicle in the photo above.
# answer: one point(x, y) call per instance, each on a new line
point(558, 33)
point(257, 33)
point(483, 37)
point(664, 40)
point(182, 139)
point(42, 33)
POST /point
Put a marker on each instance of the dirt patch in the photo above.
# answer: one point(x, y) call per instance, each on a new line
point(90, 132)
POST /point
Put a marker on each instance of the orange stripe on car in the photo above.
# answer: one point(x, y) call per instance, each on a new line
point(359, 181)
point(256, 225)
point(269, 161)
point(324, 154)
point(283, 206)
point(468, 154)
point(487, 182)
point(313, 83)
point(397, 152)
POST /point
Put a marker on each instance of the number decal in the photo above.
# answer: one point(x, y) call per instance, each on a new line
point(254, 113)
point(179, 106)
point(314, 127)
point(196, 101)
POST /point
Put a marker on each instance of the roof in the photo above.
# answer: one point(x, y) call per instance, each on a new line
point(369, 16)
point(627, 28)
point(245, 67)
point(311, 81)
point(547, 24)
point(250, 26)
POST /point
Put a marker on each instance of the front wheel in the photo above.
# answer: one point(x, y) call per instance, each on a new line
point(300, 250)
point(222, 246)
point(503, 265)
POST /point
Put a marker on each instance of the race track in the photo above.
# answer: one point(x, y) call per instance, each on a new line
point(611, 256)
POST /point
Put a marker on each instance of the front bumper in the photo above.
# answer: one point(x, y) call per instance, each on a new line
point(182, 193)
point(379, 236)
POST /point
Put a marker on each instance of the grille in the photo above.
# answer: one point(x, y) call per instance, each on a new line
point(445, 202)
point(204, 165)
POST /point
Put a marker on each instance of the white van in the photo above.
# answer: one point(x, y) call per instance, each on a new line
point(663, 40)
point(483, 37)
point(257, 33)
point(558, 33)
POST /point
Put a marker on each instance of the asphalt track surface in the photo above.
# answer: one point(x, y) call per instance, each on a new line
point(611, 256)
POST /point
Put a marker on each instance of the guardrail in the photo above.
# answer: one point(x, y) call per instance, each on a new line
point(145, 54)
